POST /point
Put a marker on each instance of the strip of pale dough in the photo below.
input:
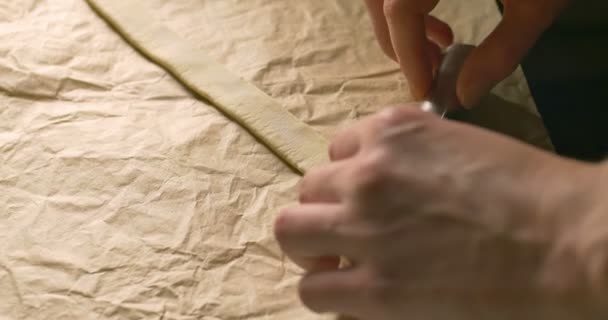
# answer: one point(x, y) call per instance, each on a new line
point(289, 138)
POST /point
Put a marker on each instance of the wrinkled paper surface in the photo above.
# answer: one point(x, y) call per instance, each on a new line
point(124, 197)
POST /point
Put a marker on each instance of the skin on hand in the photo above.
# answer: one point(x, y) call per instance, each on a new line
point(411, 36)
point(442, 220)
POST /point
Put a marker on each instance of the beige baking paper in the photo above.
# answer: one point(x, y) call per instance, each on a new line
point(291, 140)
point(123, 196)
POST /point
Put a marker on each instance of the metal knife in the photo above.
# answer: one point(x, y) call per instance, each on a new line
point(442, 98)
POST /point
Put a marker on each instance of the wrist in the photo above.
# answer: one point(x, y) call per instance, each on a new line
point(577, 264)
point(592, 237)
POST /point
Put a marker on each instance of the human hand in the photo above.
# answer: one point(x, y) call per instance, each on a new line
point(440, 220)
point(411, 36)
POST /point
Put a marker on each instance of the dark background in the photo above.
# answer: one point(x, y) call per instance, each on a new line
point(567, 73)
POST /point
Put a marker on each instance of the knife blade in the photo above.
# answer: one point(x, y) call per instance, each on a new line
point(442, 98)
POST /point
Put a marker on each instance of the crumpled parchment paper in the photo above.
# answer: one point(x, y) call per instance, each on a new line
point(123, 197)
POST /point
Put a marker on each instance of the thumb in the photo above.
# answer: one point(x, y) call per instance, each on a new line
point(501, 52)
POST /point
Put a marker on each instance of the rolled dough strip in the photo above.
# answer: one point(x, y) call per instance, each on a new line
point(289, 138)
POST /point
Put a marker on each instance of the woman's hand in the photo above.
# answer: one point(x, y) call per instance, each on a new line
point(442, 220)
point(412, 37)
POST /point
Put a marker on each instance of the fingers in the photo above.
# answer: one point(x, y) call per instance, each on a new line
point(376, 11)
point(434, 56)
point(501, 52)
point(407, 29)
point(346, 144)
point(438, 31)
point(323, 184)
point(313, 231)
point(403, 28)
point(334, 291)
point(410, 45)
point(349, 142)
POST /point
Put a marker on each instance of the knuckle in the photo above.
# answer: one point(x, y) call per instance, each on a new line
point(344, 145)
point(371, 237)
point(409, 131)
point(404, 114)
point(372, 169)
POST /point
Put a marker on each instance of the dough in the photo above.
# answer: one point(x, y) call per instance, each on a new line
point(289, 138)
